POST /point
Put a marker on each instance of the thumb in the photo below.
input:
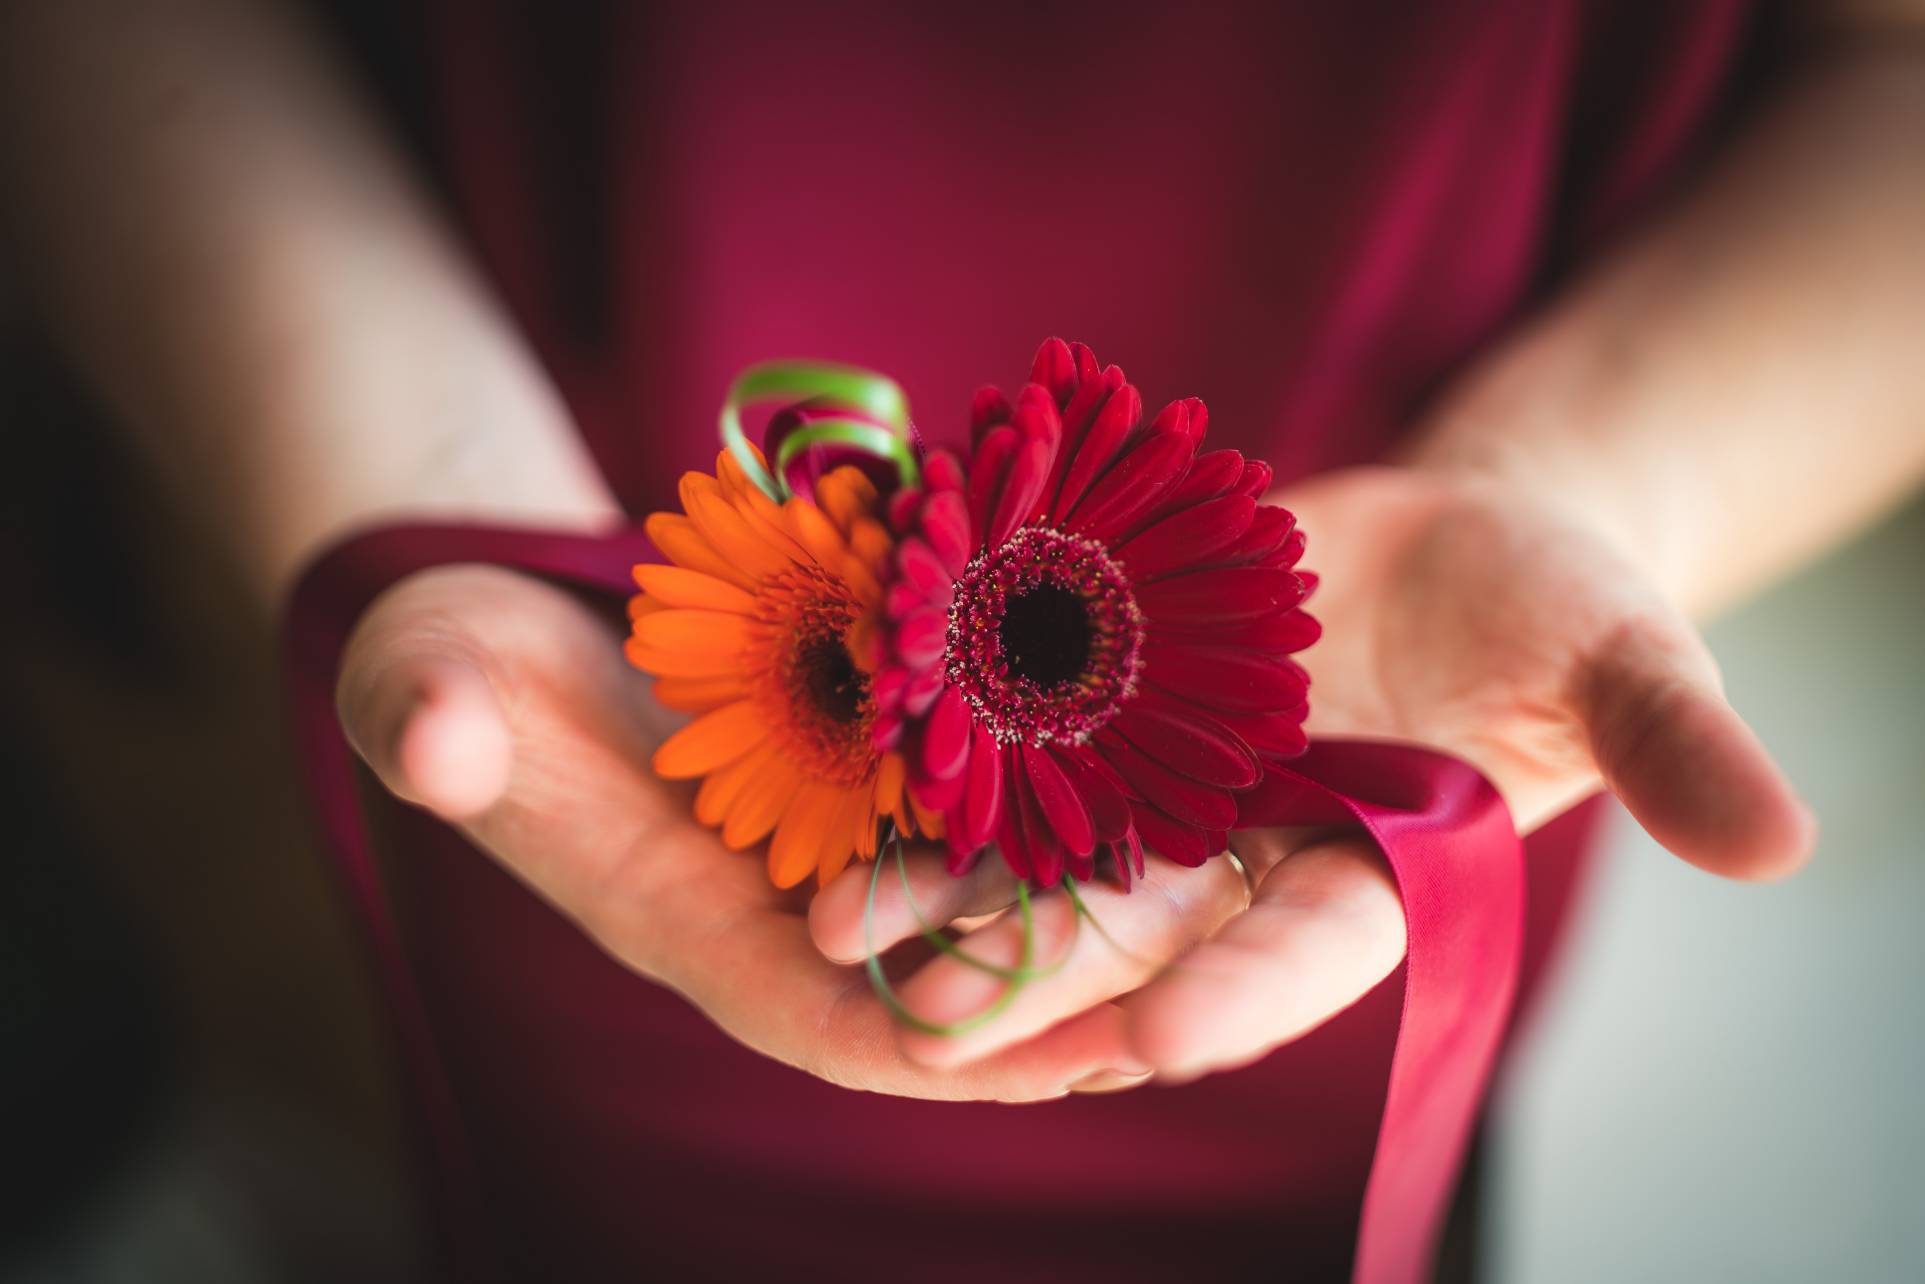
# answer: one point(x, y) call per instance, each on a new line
point(1683, 762)
point(417, 705)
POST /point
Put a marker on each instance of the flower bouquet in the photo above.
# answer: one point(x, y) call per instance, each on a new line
point(1071, 639)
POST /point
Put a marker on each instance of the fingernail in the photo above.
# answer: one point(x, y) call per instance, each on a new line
point(1110, 1081)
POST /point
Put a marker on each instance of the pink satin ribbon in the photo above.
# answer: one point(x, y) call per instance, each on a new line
point(1443, 829)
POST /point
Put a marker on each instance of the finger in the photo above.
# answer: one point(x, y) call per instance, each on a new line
point(1684, 763)
point(1167, 912)
point(935, 897)
point(1325, 926)
point(423, 715)
point(786, 1001)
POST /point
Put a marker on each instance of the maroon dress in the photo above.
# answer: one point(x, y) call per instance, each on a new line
point(1308, 215)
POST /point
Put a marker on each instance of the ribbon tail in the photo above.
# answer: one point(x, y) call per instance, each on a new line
point(1460, 871)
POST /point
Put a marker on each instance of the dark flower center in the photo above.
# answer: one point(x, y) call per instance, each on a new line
point(1044, 638)
point(1046, 634)
point(810, 681)
point(824, 669)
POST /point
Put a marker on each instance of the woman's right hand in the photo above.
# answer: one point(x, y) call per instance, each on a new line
point(504, 706)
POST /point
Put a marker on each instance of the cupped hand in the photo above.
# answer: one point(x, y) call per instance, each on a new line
point(1457, 614)
point(504, 706)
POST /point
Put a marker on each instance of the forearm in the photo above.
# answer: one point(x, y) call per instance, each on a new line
point(1744, 383)
point(217, 232)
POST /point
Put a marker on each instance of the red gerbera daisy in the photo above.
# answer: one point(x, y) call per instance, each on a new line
point(1088, 631)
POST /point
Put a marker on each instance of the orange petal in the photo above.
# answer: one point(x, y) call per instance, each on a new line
point(711, 741)
point(815, 532)
point(699, 695)
point(845, 494)
point(663, 662)
point(804, 826)
point(889, 778)
point(684, 545)
point(728, 531)
point(928, 823)
point(706, 631)
point(679, 586)
point(870, 542)
point(761, 512)
point(719, 793)
point(761, 804)
point(642, 604)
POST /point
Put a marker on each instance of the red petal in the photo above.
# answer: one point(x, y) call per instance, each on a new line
point(1271, 634)
point(1188, 740)
point(1170, 838)
point(1087, 364)
point(1231, 681)
point(1289, 552)
point(1097, 450)
point(1256, 478)
point(1055, 369)
point(1045, 853)
point(1058, 799)
point(1079, 416)
point(946, 736)
point(1187, 538)
point(1229, 593)
point(1015, 844)
point(924, 686)
point(942, 470)
point(945, 524)
point(1210, 475)
point(989, 409)
point(1182, 797)
point(983, 798)
point(903, 507)
point(921, 636)
point(1109, 811)
point(1268, 529)
point(921, 568)
point(1189, 417)
point(1145, 473)
point(938, 795)
point(1082, 866)
point(1275, 734)
point(986, 470)
point(1024, 489)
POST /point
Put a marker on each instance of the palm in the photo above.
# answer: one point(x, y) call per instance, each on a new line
point(453, 662)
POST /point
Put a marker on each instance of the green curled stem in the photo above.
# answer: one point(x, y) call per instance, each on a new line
point(863, 390)
point(897, 1009)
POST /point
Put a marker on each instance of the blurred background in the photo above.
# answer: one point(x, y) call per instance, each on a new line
point(1721, 1085)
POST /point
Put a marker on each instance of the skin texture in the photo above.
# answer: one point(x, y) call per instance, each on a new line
point(1518, 591)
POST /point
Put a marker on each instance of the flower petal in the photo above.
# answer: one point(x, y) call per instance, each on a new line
point(710, 632)
point(1182, 797)
point(1187, 538)
point(1231, 681)
point(1058, 799)
point(982, 810)
point(711, 741)
point(1093, 454)
point(1225, 594)
point(1146, 472)
point(946, 736)
point(680, 542)
point(679, 586)
point(945, 524)
point(799, 834)
point(987, 469)
point(1188, 740)
point(1169, 837)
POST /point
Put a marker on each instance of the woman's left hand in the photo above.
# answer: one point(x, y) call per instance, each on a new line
point(1457, 614)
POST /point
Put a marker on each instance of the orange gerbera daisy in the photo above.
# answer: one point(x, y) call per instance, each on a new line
point(764, 627)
